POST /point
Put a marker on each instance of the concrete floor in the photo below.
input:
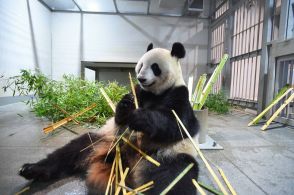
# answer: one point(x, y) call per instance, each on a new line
point(255, 162)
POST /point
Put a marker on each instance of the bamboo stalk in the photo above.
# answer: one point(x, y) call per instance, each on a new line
point(130, 189)
point(177, 179)
point(232, 190)
point(212, 80)
point(91, 145)
point(287, 101)
point(23, 190)
point(222, 188)
point(198, 91)
point(110, 178)
point(121, 171)
point(110, 103)
point(66, 113)
point(142, 187)
point(210, 189)
point(256, 119)
point(67, 119)
point(147, 157)
point(119, 138)
point(198, 187)
point(133, 91)
point(122, 181)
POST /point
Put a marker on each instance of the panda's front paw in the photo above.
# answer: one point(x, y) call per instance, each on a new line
point(139, 122)
point(123, 109)
point(33, 171)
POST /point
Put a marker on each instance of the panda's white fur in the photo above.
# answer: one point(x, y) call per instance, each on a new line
point(169, 65)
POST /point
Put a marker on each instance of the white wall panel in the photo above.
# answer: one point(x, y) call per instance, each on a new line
point(18, 37)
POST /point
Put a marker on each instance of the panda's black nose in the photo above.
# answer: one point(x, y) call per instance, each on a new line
point(141, 80)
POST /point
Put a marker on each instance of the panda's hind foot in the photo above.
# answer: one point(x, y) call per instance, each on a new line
point(34, 172)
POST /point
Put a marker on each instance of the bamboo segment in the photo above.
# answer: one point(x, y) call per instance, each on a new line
point(134, 91)
point(222, 188)
point(198, 91)
point(278, 112)
point(23, 190)
point(67, 119)
point(198, 187)
point(227, 181)
point(256, 119)
point(177, 179)
point(122, 181)
point(110, 103)
point(110, 177)
point(212, 80)
point(141, 188)
point(66, 113)
point(147, 157)
point(210, 189)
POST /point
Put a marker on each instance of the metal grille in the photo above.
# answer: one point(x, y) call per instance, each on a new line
point(217, 51)
point(245, 79)
point(285, 76)
point(245, 61)
point(221, 7)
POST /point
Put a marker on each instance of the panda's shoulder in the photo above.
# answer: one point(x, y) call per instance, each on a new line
point(179, 92)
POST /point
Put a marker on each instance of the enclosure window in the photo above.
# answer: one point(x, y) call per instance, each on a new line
point(221, 6)
point(247, 43)
point(290, 20)
point(217, 51)
point(276, 19)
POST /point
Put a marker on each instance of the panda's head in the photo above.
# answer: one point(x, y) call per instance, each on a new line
point(159, 69)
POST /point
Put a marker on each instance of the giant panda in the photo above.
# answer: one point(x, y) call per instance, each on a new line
point(161, 89)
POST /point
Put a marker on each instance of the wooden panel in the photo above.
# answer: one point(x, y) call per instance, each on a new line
point(253, 65)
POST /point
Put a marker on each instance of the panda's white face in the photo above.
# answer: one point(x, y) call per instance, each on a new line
point(158, 70)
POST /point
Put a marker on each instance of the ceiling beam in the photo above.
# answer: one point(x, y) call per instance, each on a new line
point(115, 5)
point(45, 5)
point(77, 5)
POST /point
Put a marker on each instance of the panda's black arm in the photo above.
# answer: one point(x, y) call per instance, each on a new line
point(160, 124)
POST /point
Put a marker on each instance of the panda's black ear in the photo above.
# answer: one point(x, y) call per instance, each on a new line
point(178, 50)
point(150, 46)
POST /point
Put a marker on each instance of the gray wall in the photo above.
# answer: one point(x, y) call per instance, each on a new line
point(117, 38)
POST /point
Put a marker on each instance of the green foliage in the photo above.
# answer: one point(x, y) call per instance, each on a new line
point(217, 103)
point(71, 94)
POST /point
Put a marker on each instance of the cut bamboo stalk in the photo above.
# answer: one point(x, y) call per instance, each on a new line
point(110, 103)
point(118, 139)
point(222, 173)
point(198, 91)
point(110, 178)
point(137, 163)
point(23, 190)
point(256, 119)
point(122, 181)
point(66, 113)
point(130, 189)
point(198, 187)
point(133, 91)
point(91, 145)
point(67, 119)
point(142, 187)
point(222, 188)
point(121, 171)
point(287, 101)
point(147, 157)
point(177, 179)
point(116, 170)
point(212, 80)
point(210, 189)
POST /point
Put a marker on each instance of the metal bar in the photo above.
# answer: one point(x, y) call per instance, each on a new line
point(129, 14)
point(148, 8)
point(77, 5)
point(45, 5)
point(115, 5)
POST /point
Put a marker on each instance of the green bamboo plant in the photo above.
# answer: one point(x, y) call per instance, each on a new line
point(200, 95)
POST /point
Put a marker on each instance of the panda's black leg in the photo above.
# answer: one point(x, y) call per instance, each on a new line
point(68, 159)
point(169, 169)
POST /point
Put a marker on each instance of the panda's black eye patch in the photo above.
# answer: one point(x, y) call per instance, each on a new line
point(141, 66)
point(156, 70)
